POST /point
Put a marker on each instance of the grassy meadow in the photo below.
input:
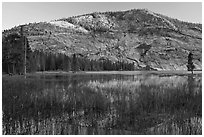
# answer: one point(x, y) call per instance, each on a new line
point(102, 104)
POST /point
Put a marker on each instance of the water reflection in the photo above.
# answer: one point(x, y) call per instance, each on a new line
point(103, 104)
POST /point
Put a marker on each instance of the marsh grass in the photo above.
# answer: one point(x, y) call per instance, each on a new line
point(102, 105)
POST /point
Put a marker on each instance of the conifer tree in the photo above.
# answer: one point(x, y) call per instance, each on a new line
point(74, 63)
point(190, 64)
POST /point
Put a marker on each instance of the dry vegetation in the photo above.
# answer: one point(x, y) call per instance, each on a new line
point(103, 104)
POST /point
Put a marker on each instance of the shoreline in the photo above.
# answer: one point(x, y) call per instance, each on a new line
point(63, 73)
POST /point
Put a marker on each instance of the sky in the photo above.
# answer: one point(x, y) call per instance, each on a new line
point(18, 13)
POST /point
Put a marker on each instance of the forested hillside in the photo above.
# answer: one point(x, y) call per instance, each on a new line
point(136, 39)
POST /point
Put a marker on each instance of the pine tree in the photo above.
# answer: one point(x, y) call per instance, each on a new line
point(13, 54)
point(190, 65)
point(74, 63)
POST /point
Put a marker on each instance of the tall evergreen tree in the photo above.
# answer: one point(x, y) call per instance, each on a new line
point(74, 63)
point(190, 64)
point(13, 55)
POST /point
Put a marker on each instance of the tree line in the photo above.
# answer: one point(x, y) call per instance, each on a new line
point(50, 62)
point(13, 59)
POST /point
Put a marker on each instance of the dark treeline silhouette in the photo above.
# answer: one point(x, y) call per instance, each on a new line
point(50, 62)
point(13, 55)
point(13, 60)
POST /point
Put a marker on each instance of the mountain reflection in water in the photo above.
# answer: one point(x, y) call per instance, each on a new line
point(103, 104)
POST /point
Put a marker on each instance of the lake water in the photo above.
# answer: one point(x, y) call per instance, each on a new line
point(102, 104)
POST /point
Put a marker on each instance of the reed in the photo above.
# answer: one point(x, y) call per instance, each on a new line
point(103, 105)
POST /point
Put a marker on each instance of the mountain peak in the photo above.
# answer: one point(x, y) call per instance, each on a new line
point(119, 35)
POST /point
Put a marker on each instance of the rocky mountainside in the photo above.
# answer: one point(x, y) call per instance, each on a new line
point(148, 39)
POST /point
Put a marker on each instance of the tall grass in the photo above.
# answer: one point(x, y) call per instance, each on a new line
point(103, 105)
